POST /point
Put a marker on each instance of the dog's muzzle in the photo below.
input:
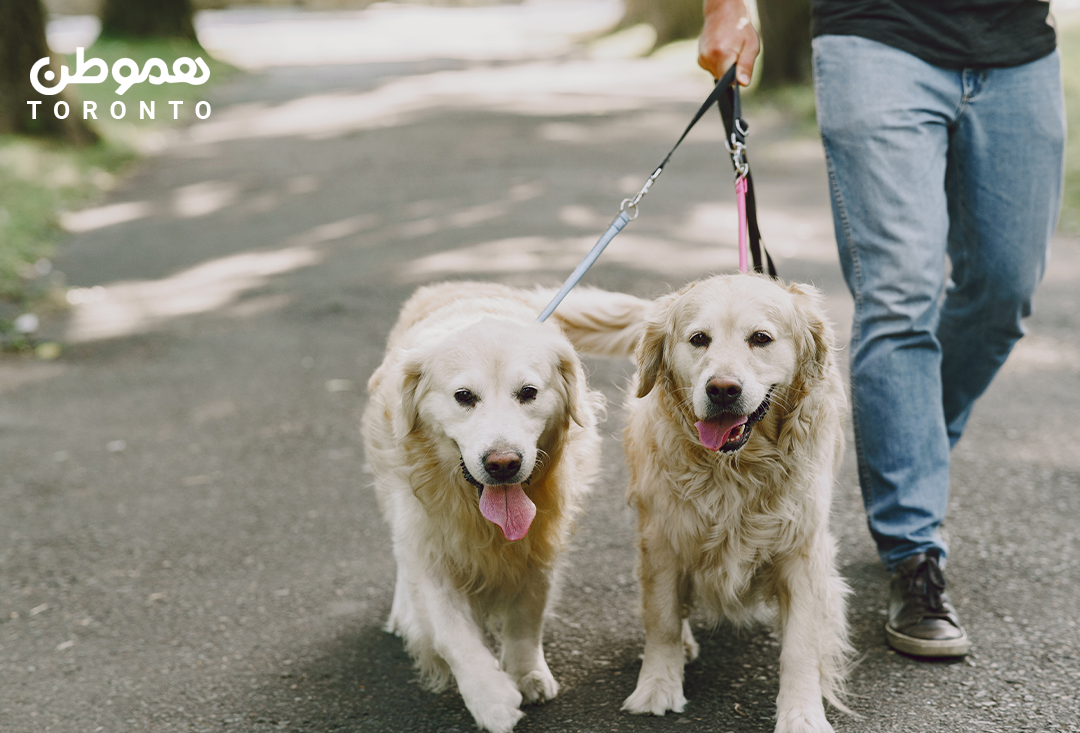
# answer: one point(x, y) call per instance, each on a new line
point(728, 432)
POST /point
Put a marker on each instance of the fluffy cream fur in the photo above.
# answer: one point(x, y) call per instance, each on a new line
point(742, 534)
point(457, 575)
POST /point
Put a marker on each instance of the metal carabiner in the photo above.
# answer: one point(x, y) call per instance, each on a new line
point(737, 151)
point(630, 206)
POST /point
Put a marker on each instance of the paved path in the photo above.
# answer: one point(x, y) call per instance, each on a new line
point(187, 536)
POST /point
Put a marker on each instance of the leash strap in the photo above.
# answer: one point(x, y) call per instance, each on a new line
point(735, 127)
point(725, 93)
point(740, 202)
point(614, 228)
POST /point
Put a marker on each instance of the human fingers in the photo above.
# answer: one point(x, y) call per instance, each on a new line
point(728, 37)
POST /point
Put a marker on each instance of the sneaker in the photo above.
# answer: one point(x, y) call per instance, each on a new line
point(922, 621)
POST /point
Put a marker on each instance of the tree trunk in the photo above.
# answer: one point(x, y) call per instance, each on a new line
point(22, 44)
point(672, 19)
point(146, 19)
point(785, 42)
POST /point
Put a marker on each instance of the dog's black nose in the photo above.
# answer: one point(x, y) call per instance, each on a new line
point(502, 465)
point(723, 391)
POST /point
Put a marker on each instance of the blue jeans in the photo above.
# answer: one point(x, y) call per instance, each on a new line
point(946, 186)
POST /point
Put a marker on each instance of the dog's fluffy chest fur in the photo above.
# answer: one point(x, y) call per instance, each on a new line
point(722, 517)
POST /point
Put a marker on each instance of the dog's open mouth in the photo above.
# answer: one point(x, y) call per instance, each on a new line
point(506, 505)
point(728, 432)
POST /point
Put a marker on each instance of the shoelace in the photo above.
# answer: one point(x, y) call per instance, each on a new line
point(929, 583)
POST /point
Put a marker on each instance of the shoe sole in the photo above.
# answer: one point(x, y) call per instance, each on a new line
point(927, 647)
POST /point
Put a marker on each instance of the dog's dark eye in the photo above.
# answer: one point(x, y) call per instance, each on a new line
point(465, 397)
point(761, 338)
point(700, 339)
point(527, 393)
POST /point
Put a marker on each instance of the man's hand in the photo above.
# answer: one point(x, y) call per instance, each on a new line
point(728, 38)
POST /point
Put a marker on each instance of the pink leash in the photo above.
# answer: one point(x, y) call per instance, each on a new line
point(740, 202)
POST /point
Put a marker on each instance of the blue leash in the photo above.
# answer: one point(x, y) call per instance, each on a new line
point(579, 272)
point(628, 210)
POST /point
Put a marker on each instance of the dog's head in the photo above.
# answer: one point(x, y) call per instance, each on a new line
point(726, 348)
point(497, 396)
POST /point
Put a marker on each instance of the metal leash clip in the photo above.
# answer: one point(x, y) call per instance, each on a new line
point(738, 155)
point(630, 205)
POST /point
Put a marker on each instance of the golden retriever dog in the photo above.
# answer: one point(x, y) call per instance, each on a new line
point(481, 434)
point(733, 438)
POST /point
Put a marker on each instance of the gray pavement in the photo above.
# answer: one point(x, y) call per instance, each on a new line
point(188, 540)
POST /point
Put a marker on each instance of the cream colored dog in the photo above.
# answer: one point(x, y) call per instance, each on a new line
point(733, 439)
point(482, 437)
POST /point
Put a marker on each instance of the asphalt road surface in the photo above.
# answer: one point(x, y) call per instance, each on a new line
point(188, 539)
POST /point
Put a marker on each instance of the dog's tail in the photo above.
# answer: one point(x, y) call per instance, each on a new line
point(597, 321)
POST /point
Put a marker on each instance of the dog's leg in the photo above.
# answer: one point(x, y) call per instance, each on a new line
point(400, 613)
point(813, 627)
point(686, 593)
point(690, 645)
point(659, 686)
point(522, 642)
point(488, 692)
point(407, 621)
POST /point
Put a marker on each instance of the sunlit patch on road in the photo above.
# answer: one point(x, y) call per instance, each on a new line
point(127, 308)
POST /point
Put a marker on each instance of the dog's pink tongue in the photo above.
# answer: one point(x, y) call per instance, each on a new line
point(714, 432)
point(508, 507)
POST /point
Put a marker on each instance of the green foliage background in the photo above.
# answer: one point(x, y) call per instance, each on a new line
point(1069, 47)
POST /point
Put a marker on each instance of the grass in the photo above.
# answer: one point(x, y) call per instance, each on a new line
point(38, 180)
point(41, 178)
point(1069, 47)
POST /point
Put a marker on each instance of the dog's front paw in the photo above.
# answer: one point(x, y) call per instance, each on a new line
point(499, 719)
point(656, 696)
point(803, 721)
point(493, 702)
point(538, 686)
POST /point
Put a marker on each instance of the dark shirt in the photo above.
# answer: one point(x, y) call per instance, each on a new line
point(952, 34)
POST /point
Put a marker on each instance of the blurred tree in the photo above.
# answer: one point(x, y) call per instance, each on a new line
point(22, 44)
point(672, 19)
point(784, 28)
point(785, 42)
point(145, 19)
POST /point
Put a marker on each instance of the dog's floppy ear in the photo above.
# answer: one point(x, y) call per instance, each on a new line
point(653, 343)
point(810, 396)
point(571, 378)
point(408, 419)
point(650, 357)
point(813, 333)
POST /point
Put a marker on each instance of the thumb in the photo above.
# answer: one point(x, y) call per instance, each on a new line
point(744, 69)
